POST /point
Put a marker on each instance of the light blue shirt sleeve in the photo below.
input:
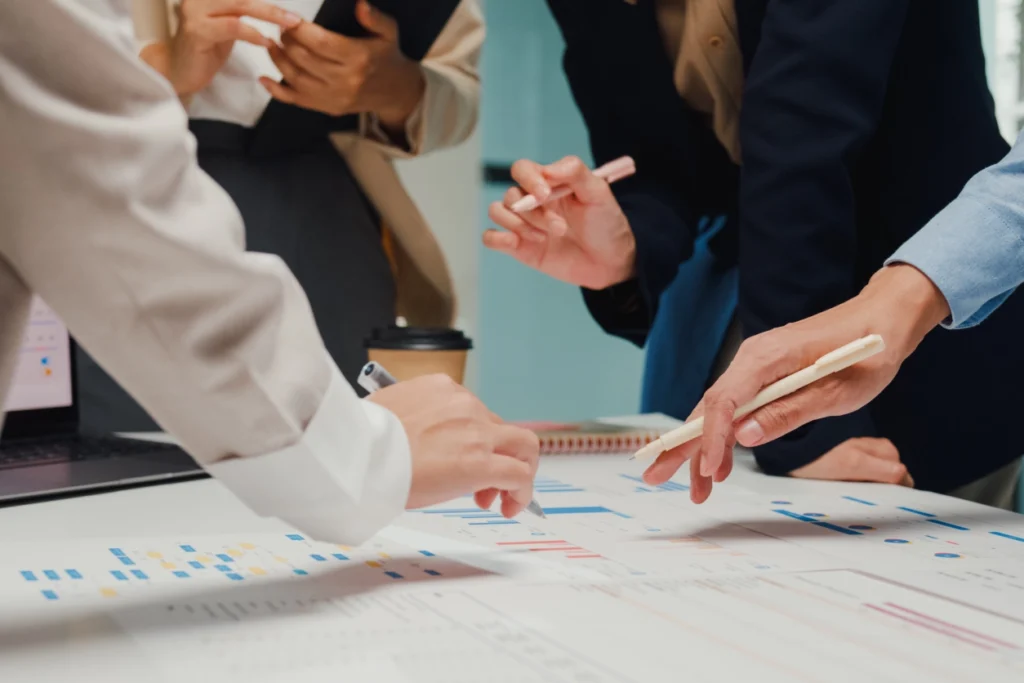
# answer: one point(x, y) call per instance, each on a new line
point(973, 250)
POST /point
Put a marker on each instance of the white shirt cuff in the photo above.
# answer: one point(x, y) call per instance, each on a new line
point(342, 482)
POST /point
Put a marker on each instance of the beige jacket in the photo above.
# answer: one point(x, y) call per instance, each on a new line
point(445, 118)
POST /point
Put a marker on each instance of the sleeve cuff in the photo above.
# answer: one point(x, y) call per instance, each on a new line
point(347, 478)
point(970, 272)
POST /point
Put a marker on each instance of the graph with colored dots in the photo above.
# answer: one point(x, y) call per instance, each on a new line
point(128, 568)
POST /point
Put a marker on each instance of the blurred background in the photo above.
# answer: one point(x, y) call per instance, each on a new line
point(529, 330)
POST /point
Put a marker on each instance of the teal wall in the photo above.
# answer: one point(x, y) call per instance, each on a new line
point(540, 353)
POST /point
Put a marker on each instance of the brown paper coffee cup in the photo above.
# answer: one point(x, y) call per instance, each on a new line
point(409, 352)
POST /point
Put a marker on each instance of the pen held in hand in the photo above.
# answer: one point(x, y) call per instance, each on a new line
point(374, 377)
point(829, 364)
point(611, 172)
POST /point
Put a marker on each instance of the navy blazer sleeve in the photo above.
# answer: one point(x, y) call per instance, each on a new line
point(630, 107)
point(813, 97)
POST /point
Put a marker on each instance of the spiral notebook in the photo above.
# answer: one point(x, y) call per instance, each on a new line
point(567, 438)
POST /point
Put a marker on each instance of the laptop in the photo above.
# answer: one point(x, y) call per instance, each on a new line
point(41, 452)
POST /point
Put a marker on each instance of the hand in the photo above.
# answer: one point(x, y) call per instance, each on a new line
point(207, 31)
point(337, 75)
point(583, 239)
point(900, 303)
point(458, 446)
point(863, 459)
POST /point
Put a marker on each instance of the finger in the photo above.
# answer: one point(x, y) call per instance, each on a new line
point(376, 22)
point(508, 475)
point(669, 462)
point(700, 485)
point(880, 448)
point(325, 44)
point(282, 92)
point(313, 64)
point(530, 176)
point(544, 219)
point(573, 173)
point(230, 29)
point(505, 242)
point(521, 444)
point(485, 499)
point(258, 10)
point(725, 469)
point(298, 79)
point(503, 216)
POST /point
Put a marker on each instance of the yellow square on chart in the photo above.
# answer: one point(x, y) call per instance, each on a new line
point(385, 556)
point(258, 571)
point(204, 558)
point(108, 592)
point(344, 547)
point(167, 565)
point(248, 546)
point(154, 554)
point(235, 553)
point(283, 560)
point(373, 564)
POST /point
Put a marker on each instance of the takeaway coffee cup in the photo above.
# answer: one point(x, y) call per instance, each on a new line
point(409, 352)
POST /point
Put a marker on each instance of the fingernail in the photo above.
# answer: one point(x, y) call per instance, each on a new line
point(292, 18)
point(542, 192)
point(706, 468)
point(750, 433)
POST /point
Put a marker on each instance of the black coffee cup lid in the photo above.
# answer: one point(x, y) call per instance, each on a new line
point(419, 339)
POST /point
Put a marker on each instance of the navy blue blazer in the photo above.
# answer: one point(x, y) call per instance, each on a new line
point(860, 120)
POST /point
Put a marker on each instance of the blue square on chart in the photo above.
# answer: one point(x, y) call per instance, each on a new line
point(225, 558)
point(181, 575)
point(73, 573)
point(301, 572)
point(234, 577)
point(319, 558)
point(295, 537)
point(222, 567)
point(117, 551)
point(340, 556)
point(188, 549)
point(126, 561)
point(139, 574)
point(29, 576)
point(50, 595)
point(119, 575)
point(195, 565)
point(51, 575)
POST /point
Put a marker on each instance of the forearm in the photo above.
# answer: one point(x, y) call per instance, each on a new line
point(142, 256)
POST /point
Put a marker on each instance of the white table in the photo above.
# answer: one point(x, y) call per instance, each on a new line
point(205, 508)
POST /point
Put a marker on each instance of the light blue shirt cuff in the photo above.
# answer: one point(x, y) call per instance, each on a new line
point(971, 254)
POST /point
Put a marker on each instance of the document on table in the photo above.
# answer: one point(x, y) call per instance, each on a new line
point(622, 582)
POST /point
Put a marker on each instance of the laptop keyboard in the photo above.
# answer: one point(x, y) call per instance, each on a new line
point(68, 450)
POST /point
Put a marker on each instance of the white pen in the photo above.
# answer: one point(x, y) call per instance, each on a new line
point(830, 363)
point(374, 377)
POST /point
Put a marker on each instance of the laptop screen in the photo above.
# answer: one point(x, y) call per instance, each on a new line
point(42, 378)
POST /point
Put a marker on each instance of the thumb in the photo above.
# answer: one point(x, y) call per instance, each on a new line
point(376, 22)
point(784, 415)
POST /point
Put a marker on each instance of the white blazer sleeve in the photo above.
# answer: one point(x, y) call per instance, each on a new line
point(107, 216)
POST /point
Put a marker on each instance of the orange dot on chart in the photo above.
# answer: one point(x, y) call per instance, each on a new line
point(48, 372)
point(374, 564)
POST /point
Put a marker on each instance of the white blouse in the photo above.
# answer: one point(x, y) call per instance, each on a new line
point(235, 94)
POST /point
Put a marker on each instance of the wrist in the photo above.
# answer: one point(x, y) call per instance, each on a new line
point(910, 301)
point(406, 94)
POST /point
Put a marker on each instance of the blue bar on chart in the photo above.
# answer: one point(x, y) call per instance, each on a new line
point(496, 522)
point(668, 486)
point(29, 576)
point(584, 510)
point(394, 575)
point(431, 572)
point(51, 575)
point(948, 525)
point(234, 577)
point(319, 558)
point(188, 548)
point(916, 512)
point(224, 557)
point(426, 553)
point(554, 486)
point(295, 537)
point(300, 572)
point(815, 522)
point(127, 561)
point(222, 568)
point(861, 501)
point(139, 574)
point(73, 574)
point(1011, 537)
point(50, 595)
point(180, 574)
point(120, 576)
point(117, 551)
point(452, 511)
point(195, 565)
point(339, 556)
